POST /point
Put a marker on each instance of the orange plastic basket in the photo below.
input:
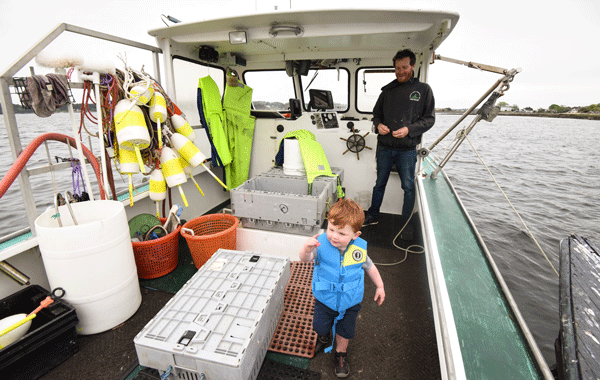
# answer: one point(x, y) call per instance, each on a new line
point(158, 257)
point(211, 232)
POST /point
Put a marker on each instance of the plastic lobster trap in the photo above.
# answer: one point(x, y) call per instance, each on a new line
point(275, 201)
point(219, 325)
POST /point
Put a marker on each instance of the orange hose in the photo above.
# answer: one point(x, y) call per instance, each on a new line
point(26, 154)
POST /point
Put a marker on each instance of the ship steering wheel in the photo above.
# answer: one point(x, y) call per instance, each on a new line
point(355, 142)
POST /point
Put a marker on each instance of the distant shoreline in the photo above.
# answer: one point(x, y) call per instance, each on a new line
point(581, 116)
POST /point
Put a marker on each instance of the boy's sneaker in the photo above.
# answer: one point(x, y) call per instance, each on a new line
point(370, 220)
point(322, 342)
point(341, 365)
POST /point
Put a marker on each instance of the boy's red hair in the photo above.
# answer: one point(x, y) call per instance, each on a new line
point(346, 212)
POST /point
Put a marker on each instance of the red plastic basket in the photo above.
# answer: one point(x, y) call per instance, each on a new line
point(211, 232)
point(158, 257)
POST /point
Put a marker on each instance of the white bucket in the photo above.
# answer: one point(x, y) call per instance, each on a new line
point(292, 158)
point(363, 198)
point(92, 261)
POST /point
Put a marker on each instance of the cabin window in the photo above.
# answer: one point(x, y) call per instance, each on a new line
point(334, 80)
point(368, 86)
point(271, 89)
point(187, 74)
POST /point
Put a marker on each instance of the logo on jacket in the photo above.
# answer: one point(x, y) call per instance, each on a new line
point(357, 255)
point(415, 96)
point(354, 255)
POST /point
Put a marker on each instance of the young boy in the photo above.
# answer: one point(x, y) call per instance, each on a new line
point(338, 279)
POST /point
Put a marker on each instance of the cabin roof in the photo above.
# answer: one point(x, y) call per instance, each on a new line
point(350, 33)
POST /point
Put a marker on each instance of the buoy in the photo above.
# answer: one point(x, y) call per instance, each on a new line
point(13, 328)
point(186, 148)
point(158, 113)
point(141, 94)
point(187, 169)
point(132, 132)
point(182, 126)
point(158, 188)
point(173, 171)
point(128, 165)
point(191, 154)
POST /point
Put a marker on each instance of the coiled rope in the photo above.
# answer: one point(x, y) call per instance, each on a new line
point(514, 209)
point(411, 248)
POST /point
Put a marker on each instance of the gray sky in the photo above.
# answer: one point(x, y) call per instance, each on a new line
point(555, 43)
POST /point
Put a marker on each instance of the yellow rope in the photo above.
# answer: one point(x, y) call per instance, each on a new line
point(511, 205)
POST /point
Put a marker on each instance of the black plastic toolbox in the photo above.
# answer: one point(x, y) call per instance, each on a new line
point(51, 339)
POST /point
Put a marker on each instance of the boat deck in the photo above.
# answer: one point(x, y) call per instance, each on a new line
point(394, 340)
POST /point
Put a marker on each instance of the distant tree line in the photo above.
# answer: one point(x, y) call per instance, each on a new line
point(554, 108)
point(76, 107)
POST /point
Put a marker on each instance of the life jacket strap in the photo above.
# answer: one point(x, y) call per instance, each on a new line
point(335, 321)
point(336, 286)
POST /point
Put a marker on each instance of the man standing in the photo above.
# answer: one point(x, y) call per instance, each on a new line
point(404, 111)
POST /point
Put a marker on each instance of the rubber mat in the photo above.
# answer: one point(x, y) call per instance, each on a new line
point(301, 273)
point(298, 300)
point(272, 370)
point(294, 361)
point(294, 334)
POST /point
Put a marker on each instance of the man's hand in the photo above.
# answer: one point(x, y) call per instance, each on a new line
point(400, 133)
point(383, 129)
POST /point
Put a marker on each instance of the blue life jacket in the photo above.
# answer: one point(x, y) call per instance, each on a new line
point(338, 281)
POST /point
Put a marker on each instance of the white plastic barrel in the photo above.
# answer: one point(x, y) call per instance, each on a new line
point(292, 158)
point(92, 261)
point(363, 198)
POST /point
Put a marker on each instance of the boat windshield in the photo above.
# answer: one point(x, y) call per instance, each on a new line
point(272, 89)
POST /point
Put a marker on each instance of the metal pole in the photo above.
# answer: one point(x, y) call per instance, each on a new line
point(424, 152)
point(474, 65)
point(16, 148)
point(455, 146)
point(14, 273)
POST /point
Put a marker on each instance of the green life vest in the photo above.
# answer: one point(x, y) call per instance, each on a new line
point(239, 129)
point(314, 158)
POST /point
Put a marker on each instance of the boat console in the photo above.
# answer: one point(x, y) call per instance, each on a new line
point(325, 120)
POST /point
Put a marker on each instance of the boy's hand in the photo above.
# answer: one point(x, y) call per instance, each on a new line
point(309, 245)
point(379, 295)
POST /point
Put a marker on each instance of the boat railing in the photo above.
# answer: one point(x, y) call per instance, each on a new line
point(8, 109)
point(450, 347)
point(450, 356)
point(535, 351)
